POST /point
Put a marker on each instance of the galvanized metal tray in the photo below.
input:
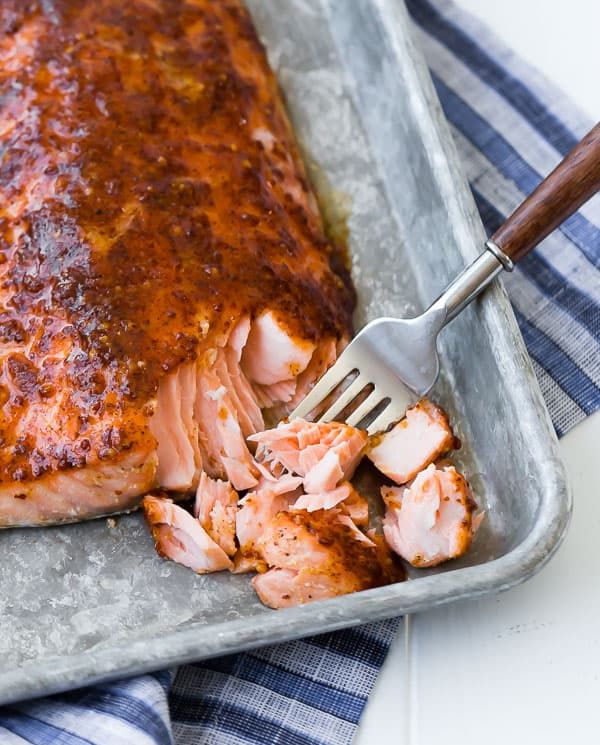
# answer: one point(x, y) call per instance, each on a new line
point(88, 602)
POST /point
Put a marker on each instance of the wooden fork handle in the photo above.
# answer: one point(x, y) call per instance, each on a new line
point(575, 180)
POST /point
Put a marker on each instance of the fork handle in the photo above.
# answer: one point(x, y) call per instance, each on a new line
point(571, 183)
point(574, 180)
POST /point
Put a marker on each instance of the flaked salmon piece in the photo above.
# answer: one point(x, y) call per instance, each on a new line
point(176, 431)
point(357, 507)
point(243, 400)
point(180, 537)
point(432, 520)
point(238, 336)
point(332, 451)
point(272, 360)
point(310, 456)
point(321, 555)
point(175, 423)
point(269, 396)
point(256, 510)
point(227, 455)
point(248, 409)
point(216, 507)
point(344, 496)
point(325, 474)
point(412, 444)
point(284, 484)
point(272, 354)
point(323, 501)
point(317, 541)
point(222, 399)
point(269, 470)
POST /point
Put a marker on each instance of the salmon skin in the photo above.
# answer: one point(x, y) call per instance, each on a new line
point(165, 277)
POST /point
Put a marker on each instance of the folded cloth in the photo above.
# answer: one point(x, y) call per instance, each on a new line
point(511, 127)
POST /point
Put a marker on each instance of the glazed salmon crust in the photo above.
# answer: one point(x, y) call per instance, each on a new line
point(157, 235)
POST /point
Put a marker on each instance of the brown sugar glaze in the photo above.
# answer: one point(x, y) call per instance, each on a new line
point(151, 192)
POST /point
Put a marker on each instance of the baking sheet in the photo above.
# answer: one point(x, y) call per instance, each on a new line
point(92, 601)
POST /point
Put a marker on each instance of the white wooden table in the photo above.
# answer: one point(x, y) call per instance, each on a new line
point(523, 666)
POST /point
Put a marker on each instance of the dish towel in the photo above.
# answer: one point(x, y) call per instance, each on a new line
point(511, 127)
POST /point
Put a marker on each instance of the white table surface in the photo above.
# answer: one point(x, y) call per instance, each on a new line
point(523, 666)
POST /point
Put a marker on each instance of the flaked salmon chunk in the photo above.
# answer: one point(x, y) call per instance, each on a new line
point(412, 444)
point(323, 454)
point(323, 501)
point(431, 520)
point(256, 510)
point(343, 496)
point(221, 437)
point(315, 556)
point(215, 507)
point(356, 507)
point(273, 359)
point(180, 537)
point(271, 355)
point(228, 370)
point(176, 430)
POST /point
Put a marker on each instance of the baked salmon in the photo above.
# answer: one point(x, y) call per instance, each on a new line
point(215, 507)
point(311, 545)
point(256, 510)
point(432, 520)
point(343, 496)
point(356, 507)
point(165, 274)
point(318, 556)
point(322, 453)
point(413, 443)
point(180, 537)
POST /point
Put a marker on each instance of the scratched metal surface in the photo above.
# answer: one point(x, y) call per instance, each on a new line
point(86, 602)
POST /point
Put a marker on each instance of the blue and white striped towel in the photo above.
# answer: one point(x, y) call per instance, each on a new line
point(511, 128)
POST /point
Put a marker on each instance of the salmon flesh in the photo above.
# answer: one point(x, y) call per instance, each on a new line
point(165, 276)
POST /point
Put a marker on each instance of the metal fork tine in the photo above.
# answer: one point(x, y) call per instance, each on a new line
point(332, 378)
point(372, 358)
point(381, 422)
point(400, 401)
point(343, 399)
point(367, 405)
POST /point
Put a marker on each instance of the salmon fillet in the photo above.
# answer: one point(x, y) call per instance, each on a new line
point(165, 275)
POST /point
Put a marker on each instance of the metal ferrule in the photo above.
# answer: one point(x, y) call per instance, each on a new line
point(505, 260)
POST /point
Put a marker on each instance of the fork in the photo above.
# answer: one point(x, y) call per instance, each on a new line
point(394, 361)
